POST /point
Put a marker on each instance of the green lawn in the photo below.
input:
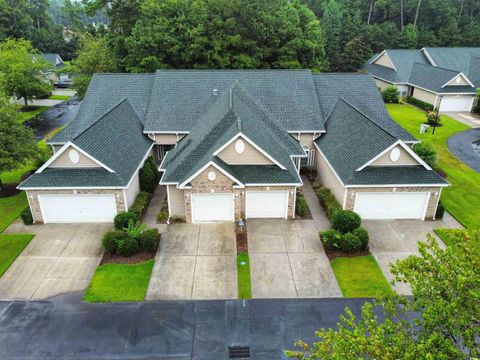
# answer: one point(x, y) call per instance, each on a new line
point(448, 235)
point(360, 277)
point(59, 97)
point(244, 282)
point(10, 209)
point(462, 198)
point(27, 115)
point(11, 245)
point(120, 282)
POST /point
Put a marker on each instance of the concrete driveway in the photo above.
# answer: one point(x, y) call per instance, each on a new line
point(392, 240)
point(60, 259)
point(468, 118)
point(287, 260)
point(195, 262)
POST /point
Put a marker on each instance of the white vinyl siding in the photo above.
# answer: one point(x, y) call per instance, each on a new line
point(77, 208)
point(266, 204)
point(212, 207)
point(456, 103)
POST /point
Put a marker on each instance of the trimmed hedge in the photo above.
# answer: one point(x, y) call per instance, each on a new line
point(328, 202)
point(128, 246)
point(111, 239)
point(149, 240)
point(345, 221)
point(122, 219)
point(140, 205)
point(26, 216)
point(362, 235)
point(301, 206)
point(419, 103)
point(331, 239)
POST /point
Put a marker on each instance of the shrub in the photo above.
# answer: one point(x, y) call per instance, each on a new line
point(141, 203)
point(419, 103)
point(427, 152)
point(122, 219)
point(127, 246)
point(345, 221)
point(331, 239)
point(362, 235)
point(134, 229)
point(26, 216)
point(301, 206)
point(149, 175)
point(149, 239)
point(111, 239)
point(328, 202)
point(440, 211)
point(162, 217)
point(350, 242)
point(390, 94)
point(178, 219)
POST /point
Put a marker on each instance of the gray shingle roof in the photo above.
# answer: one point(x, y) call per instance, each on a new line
point(455, 58)
point(180, 97)
point(52, 59)
point(353, 139)
point(361, 92)
point(234, 111)
point(433, 78)
point(116, 140)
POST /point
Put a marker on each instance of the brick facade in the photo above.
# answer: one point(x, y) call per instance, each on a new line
point(223, 184)
point(432, 202)
point(32, 196)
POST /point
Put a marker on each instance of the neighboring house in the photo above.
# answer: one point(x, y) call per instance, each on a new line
point(229, 144)
point(55, 76)
point(444, 77)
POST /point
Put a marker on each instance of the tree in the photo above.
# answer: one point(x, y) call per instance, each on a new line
point(427, 152)
point(390, 94)
point(22, 72)
point(94, 56)
point(439, 321)
point(355, 53)
point(408, 38)
point(17, 144)
point(332, 27)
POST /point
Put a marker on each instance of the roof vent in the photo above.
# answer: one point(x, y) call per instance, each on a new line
point(239, 352)
point(215, 92)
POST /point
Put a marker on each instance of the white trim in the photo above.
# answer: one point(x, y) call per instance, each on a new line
point(464, 78)
point(405, 147)
point(74, 188)
point(426, 205)
point(141, 164)
point(294, 203)
point(168, 201)
point(427, 55)
point(438, 202)
point(163, 160)
point(124, 199)
point(396, 185)
point(276, 184)
point(384, 52)
point(345, 198)
point(306, 131)
point(167, 132)
point(181, 186)
point(330, 165)
point(258, 148)
point(63, 149)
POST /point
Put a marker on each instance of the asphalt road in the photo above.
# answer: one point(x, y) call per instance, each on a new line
point(66, 329)
point(460, 145)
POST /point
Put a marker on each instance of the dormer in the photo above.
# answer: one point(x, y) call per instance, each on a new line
point(383, 59)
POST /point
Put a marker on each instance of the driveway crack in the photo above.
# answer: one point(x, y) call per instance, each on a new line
point(289, 262)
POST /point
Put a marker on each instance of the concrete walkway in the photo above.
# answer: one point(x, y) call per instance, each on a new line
point(150, 217)
point(318, 215)
point(467, 118)
point(460, 145)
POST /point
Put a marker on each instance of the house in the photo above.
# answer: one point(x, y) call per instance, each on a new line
point(57, 63)
point(229, 144)
point(446, 78)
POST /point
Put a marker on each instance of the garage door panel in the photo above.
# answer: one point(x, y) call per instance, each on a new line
point(400, 205)
point(77, 208)
point(456, 103)
point(212, 207)
point(266, 204)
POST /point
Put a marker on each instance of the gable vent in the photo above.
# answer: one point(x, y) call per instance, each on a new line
point(215, 92)
point(239, 352)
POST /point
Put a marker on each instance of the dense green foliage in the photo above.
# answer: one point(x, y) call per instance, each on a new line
point(362, 235)
point(440, 211)
point(149, 176)
point(445, 297)
point(149, 239)
point(122, 219)
point(421, 104)
point(301, 206)
point(26, 216)
point(127, 246)
point(328, 201)
point(111, 239)
point(427, 152)
point(345, 221)
point(390, 94)
point(140, 204)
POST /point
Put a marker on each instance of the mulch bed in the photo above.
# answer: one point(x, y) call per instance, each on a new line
point(9, 190)
point(134, 259)
point(306, 217)
point(333, 254)
point(242, 242)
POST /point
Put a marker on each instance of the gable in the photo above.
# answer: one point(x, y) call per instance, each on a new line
point(249, 155)
point(384, 60)
point(405, 159)
point(458, 80)
point(202, 183)
point(64, 160)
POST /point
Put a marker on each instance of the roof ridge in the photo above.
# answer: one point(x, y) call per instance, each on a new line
point(436, 67)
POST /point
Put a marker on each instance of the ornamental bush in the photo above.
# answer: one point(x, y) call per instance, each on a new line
point(110, 240)
point(122, 219)
point(427, 152)
point(26, 216)
point(350, 242)
point(390, 94)
point(301, 206)
point(149, 240)
point(328, 202)
point(149, 176)
point(141, 203)
point(331, 239)
point(362, 235)
point(440, 211)
point(345, 221)
point(127, 246)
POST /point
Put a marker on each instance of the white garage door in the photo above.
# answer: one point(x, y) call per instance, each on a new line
point(212, 207)
point(77, 208)
point(266, 204)
point(456, 103)
point(400, 205)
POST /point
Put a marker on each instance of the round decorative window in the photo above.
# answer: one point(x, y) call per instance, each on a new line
point(458, 79)
point(74, 156)
point(211, 176)
point(239, 146)
point(395, 154)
